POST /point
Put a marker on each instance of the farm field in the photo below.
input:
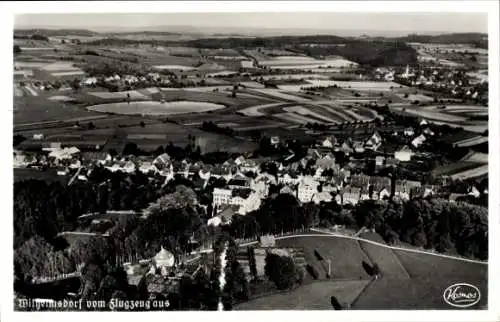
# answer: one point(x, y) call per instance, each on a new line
point(315, 296)
point(30, 109)
point(154, 108)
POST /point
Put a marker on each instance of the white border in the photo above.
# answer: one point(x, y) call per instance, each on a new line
point(6, 19)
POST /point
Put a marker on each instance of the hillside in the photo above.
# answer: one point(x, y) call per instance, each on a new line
point(54, 32)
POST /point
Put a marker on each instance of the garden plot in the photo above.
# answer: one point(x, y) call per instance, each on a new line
point(61, 98)
point(173, 67)
point(417, 97)
point(296, 118)
point(255, 110)
point(430, 114)
point(304, 62)
point(281, 95)
point(156, 108)
point(69, 73)
point(306, 112)
point(252, 84)
point(343, 117)
point(59, 66)
point(294, 76)
point(31, 91)
point(28, 64)
point(118, 95)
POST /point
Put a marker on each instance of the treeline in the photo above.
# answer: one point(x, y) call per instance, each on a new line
point(45, 209)
point(456, 228)
point(212, 127)
point(372, 53)
point(55, 32)
point(476, 39)
point(279, 41)
point(32, 36)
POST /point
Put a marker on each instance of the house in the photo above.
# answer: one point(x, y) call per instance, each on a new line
point(404, 154)
point(383, 194)
point(221, 196)
point(419, 140)
point(358, 147)
point(326, 162)
point(349, 195)
point(248, 204)
point(164, 164)
point(329, 142)
point(379, 161)
point(248, 165)
point(307, 187)
point(90, 81)
point(374, 142)
point(275, 140)
point(289, 190)
point(288, 179)
point(346, 148)
point(246, 64)
point(224, 217)
point(147, 168)
point(474, 192)
point(409, 131)
point(239, 181)
point(428, 131)
point(320, 197)
point(38, 136)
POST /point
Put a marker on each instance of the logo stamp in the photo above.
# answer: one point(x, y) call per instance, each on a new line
point(462, 295)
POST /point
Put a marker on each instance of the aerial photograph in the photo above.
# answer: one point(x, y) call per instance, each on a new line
point(250, 161)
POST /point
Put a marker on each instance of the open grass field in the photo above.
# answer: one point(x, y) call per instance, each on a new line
point(30, 109)
point(385, 258)
point(345, 255)
point(437, 273)
point(314, 296)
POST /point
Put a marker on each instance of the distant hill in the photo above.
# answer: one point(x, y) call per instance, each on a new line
point(478, 39)
point(55, 32)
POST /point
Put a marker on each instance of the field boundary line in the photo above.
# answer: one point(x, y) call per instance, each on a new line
point(395, 247)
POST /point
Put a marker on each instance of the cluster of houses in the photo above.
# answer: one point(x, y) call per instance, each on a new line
point(455, 83)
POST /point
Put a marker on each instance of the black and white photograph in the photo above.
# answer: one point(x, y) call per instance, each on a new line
point(250, 161)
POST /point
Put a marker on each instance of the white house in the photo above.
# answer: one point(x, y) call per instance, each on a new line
point(221, 196)
point(404, 154)
point(329, 142)
point(374, 142)
point(409, 131)
point(419, 140)
point(246, 64)
point(308, 186)
point(322, 197)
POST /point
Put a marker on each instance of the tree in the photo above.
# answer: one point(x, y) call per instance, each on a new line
point(281, 270)
point(90, 126)
point(75, 84)
point(17, 49)
point(142, 124)
point(18, 138)
point(130, 149)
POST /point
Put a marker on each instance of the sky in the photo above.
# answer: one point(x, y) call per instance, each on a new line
point(363, 22)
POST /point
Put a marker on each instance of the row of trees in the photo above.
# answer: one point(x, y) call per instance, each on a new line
point(459, 228)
